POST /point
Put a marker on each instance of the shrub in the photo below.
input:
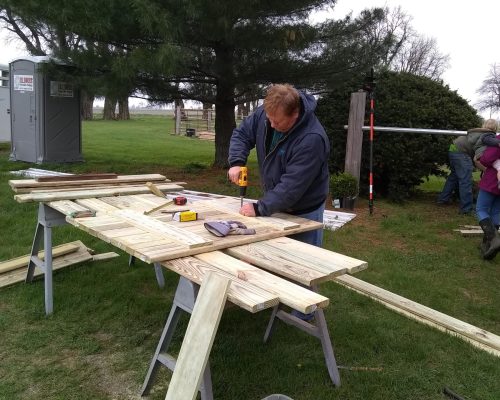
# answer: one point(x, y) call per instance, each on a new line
point(343, 185)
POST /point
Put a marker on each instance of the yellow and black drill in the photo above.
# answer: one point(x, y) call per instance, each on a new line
point(243, 182)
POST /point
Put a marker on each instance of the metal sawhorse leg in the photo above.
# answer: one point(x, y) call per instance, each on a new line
point(184, 299)
point(158, 271)
point(318, 330)
point(47, 218)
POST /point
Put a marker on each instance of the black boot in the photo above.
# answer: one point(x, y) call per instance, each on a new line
point(491, 240)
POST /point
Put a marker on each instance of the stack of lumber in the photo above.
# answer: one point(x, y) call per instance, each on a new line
point(14, 270)
point(205, 135)
point(476, 336)
point(87, 186)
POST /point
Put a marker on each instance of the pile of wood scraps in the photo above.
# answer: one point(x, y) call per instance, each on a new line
point(14, 270)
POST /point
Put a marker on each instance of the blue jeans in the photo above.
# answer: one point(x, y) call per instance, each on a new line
point(461, 175)
point(488, 206)
point(312, 237)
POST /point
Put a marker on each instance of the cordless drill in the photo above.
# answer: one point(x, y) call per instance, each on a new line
point(243, 182)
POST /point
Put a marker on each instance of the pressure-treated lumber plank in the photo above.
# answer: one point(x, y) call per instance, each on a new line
point(23, 261)
point(19, 275)
point(70, 181)
point(304, 263)
point(79, 177)
point(241, 292)
point(325, 260)
point(68, 207)
point(289, 293)
point(486, 340)
point(199, 338)
point(231, 206)
point(159, 228)
point(89, 193)
point(97, 205)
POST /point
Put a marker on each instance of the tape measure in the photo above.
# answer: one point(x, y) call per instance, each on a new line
point(180, 200)
point(184, 216)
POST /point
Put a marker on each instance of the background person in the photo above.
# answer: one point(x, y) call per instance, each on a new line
point(462, 152)
point(488, 204)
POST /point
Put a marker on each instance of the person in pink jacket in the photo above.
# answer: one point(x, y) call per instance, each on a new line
point(488, 204)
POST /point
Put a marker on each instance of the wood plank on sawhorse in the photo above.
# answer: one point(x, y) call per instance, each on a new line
point(307, 265)
point(199, 338)
point(184, 300)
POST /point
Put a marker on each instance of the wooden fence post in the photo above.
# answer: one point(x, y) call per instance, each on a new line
point(355, 134)
point(177, 120)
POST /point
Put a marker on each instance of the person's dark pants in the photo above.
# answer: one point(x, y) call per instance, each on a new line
point(461, 174)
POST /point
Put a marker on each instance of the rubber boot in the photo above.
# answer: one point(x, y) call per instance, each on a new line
point(492, 239)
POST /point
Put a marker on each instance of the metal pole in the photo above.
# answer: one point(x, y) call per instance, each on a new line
point(369, 86)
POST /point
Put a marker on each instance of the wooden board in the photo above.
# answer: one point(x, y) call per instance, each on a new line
point(70, 181)
point(89, 193)
point(241, 292)
point(230, 206)
point(159, 228)
point(19, 275)
point(199, 338)
point(290, 294)
point(484, 339)
point(79, 177)
point(68, 207)
point(300, 262)
point(153, 245)
point(23, 261)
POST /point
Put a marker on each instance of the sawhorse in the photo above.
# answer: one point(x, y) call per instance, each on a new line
point(184, 299)
point(48, 218)
point(318, 330)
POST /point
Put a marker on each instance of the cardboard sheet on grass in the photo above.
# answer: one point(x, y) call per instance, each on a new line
point(156, 237)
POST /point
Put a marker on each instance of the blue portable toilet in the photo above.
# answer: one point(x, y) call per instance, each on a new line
point(45, 113)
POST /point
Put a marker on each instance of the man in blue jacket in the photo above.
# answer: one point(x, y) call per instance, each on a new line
point(292, 152)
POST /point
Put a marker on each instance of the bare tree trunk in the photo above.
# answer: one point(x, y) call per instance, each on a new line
point(109, 108)
point(239, 111)
point(87, 105)
point(123, 109)
point(224, 124)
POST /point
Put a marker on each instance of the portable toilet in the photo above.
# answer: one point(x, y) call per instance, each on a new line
point(4, 104)
point(45, 113)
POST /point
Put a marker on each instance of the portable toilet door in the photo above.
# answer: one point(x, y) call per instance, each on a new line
point(45, 114)
point(23, 110)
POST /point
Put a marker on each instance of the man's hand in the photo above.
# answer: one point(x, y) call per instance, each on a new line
point(247, 210)
point(233, 174)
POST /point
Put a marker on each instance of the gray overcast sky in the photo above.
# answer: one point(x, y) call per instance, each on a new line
point(466, 31)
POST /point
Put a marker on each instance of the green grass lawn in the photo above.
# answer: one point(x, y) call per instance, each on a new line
point(108, 316)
